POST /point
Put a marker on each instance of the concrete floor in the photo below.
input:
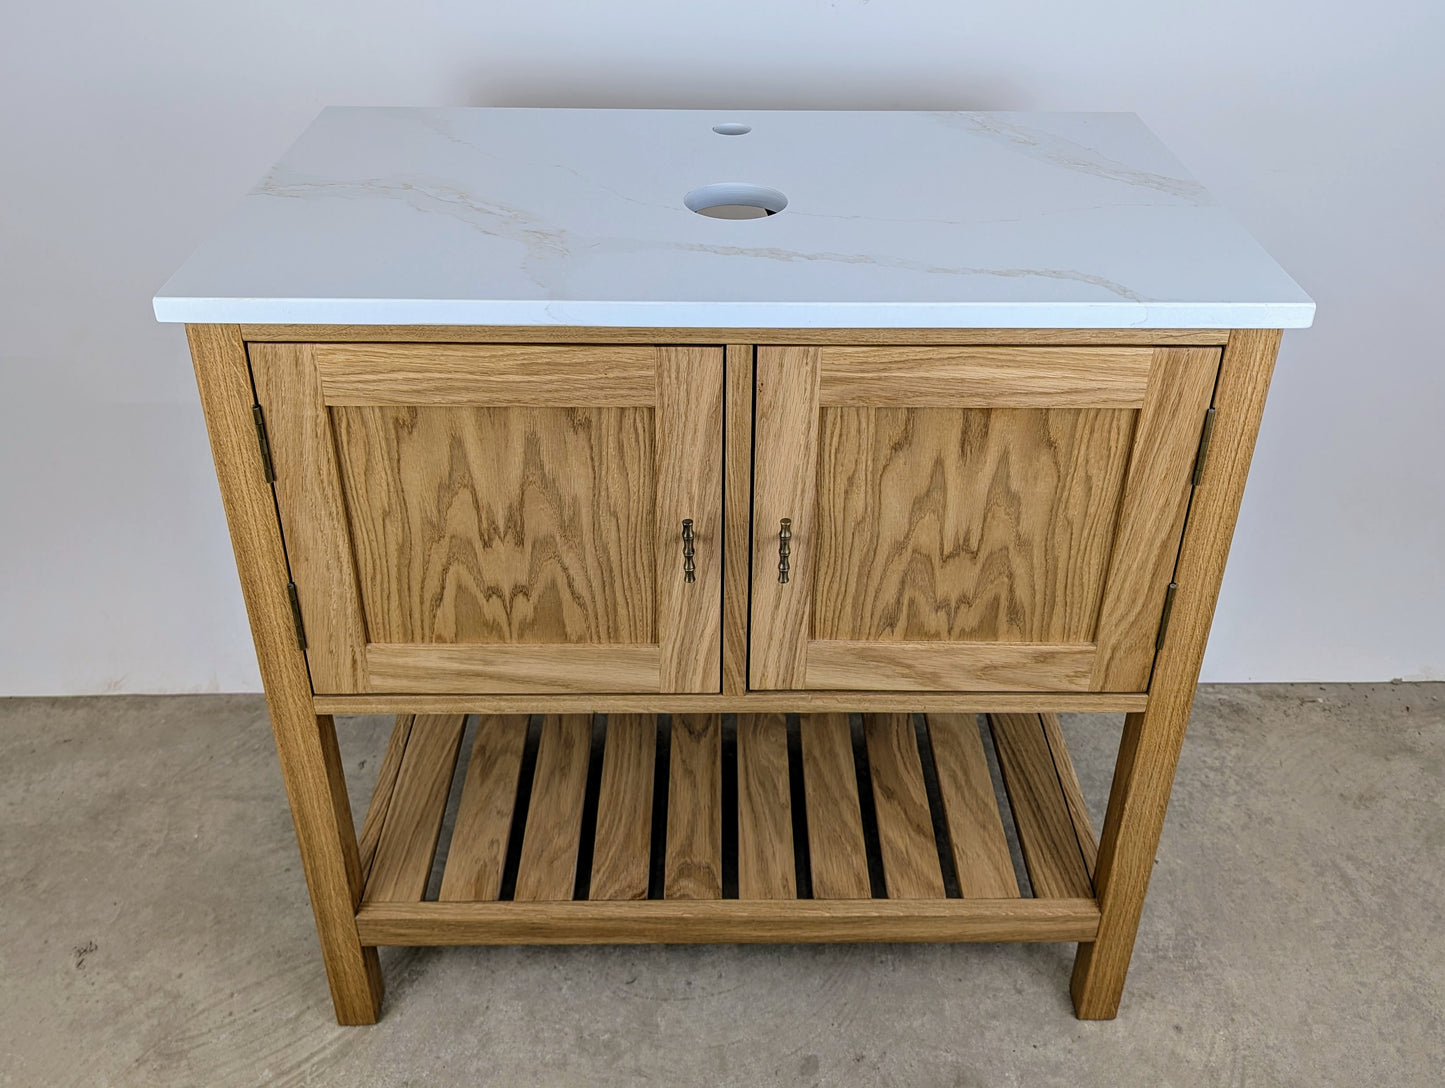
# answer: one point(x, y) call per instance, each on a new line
point(154, 930)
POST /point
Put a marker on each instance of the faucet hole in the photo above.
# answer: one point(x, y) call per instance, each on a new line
point(732, 128)
point(735, 200)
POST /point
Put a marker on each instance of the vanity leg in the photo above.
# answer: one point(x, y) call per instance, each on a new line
point(305, 742)
point(1149, 750)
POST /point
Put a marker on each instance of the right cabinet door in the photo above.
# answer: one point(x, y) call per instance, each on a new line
point(969, 519)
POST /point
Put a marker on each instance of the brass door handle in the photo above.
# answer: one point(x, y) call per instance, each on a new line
point(785, 548)
point(689, 568)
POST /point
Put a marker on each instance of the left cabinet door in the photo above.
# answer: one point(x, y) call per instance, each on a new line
point(465, 518)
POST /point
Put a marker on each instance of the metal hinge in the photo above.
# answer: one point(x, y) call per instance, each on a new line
point(1203, 454)
point(296, 614)
point(264, 443)
point(1163, 620)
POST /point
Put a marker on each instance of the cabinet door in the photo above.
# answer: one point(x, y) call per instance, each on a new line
point(468, 518)
point(969, 519)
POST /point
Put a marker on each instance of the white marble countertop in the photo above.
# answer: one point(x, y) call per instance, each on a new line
point(576, 217)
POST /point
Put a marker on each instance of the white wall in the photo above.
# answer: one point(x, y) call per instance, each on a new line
point(126, 130)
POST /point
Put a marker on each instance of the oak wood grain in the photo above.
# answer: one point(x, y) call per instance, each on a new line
point(488, 802)
point(965, 524)
point(944, 666)
point(1046, 829)
point(305, 741)
point(737, 515)
point(986, 377)
point(313, 513)
point(733, 921)
point(1149, 750)
point(501, 525)
point(381, 793)
point(838, 856)
point(766, 868)
point(689, 479)
point(584, 334)
point(757, 702)
point(1152, 515)
point(784, 482)
point(905, 827)
point(433, 669)
point(622, 845)
point(547, 869)
point(384, 375)
point(694, 809)
point(408, 840)
point(1073, 792)
point(975, 827)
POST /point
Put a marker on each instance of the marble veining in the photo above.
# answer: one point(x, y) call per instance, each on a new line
point(521, 216)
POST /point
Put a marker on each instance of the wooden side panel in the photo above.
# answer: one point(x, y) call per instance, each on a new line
point(548, 867)
point(765, 817)
point(784, 486)
point(1073, 792)
point(975, 827)
point(1046, 830)
point(694, 809)
point(1156, 498)
point(624, 808)
point(305, 741)
point(1149, 750)
point(308, 495)
point(948, 666)
point(737, 516)
point(486, 374)
point(985, 377)
point(905, 827)
point(484, 815)
point(438, 669)
point(414, 817)
point(382, 792)
point(689, 449)
point(835, 821)
point(501, 525)
point(965, 524)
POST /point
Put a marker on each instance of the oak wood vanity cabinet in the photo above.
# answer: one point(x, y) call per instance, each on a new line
point(701, 621)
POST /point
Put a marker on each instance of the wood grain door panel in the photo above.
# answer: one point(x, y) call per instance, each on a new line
point(477, 518)
point(981, 519)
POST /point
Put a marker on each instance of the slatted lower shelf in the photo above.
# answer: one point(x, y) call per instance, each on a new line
point(699, 828)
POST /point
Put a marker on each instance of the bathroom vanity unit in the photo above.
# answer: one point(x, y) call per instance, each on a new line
point(708, 495)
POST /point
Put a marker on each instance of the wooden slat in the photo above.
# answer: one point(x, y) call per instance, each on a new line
point(1151, 515)
point(975, 827)
point(949, 666)
point(560, 668)
point(484, 815)
point(1149, 750)
point(382, 791)
point(694, 809)
point(737, 515)
point(309, 498)
point(592, 334)
point(414, 818)
point(1014, 377)
point(548, 866)
point(732, 921)
point(621, 855)
point(305, 740)
point(498, 376)
point(757, 702)
point(689, 475)
point(784, 486)
point(905, 827)
point(835, 821)
point(1046, 831)
point(1073, 792)
point(765, 817)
